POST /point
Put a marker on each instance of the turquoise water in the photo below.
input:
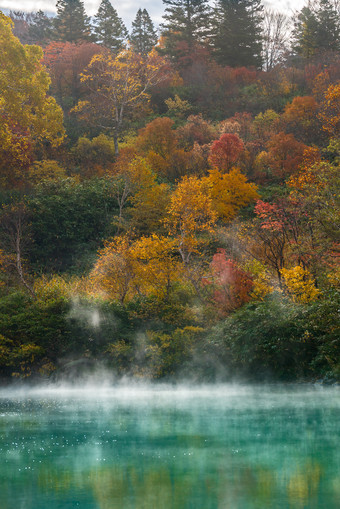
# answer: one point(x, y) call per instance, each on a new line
point(222, 447)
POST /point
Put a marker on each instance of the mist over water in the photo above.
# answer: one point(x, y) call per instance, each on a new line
point(134, 445)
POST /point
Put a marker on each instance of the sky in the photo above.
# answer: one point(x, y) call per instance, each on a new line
point(127, 8)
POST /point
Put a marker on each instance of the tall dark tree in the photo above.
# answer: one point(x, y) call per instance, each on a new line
point(238, 32)
point(41, 28)
point(109, 30)
point(328, 31)
point(185, 21)
point(143, 35)
point(305, 33)
point(71, 23)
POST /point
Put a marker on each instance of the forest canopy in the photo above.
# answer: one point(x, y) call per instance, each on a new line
point(180, 183)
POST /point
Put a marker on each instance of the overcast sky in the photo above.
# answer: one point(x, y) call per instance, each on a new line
point(127, 8)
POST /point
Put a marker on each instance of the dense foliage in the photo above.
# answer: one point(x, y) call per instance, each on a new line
point(170, 207)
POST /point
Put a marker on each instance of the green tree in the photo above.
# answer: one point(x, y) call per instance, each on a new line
point(72, 24)
point(143, 35)
point(328, 33)
point(305, 33)
point(109, 30)
point(41, 28)
point(238, 32)
point(185, 22)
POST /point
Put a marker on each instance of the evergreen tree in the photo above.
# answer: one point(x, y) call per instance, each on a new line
point(185, 21)
point(238, 32)
point(305, 33)
point(72, 24)
point(41, 28)
point(109, 30)
point(143, 36)
point(328, 30)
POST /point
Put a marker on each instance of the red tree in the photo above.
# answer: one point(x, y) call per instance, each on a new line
point(231, 285)
point(226, 151)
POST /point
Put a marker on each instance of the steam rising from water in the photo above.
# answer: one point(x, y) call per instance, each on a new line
point(132, 393)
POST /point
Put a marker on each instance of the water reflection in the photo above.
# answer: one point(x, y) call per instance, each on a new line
point(242, 449)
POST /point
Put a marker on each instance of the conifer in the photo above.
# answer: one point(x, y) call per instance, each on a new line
point(143, 35)
point(72, 24)
point(185, 21)
point(328, 32)
point(109, 30)
point(238, 25)
point(41, 28)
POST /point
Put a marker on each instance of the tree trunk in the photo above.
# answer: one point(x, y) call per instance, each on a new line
point(115, 139)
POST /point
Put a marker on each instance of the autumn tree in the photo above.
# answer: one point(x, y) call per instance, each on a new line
point(158, 267)
point(317, 187)
point(284, 155)
point(158, 137)
point(143, 35)
point(190, 213)
point(65, 62)
point(300, 119)
point(109, 29)
point(126, 268)
point(149, 199)
point(300, 284)
point(330, 110)
point(226, 151)
point(117, 87)
point(230, 286)
point(29, 118)
point(265, 125)
point(229, 192)
point(115, 273)
point(281, 234)
point(196, 130)
point(22, 21)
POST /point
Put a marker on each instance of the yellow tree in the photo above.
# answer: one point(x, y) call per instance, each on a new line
point(146, 266)
point(158, 267)
point(300, 284)
point(190, 213)
point(229, 192)
point(136, 184)
point(118, 87)
point(114, 273)
point(28, 117)
point(330, 110)
point(149, 199)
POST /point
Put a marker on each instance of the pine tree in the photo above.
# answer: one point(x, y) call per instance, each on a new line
point(185, 21)
point(238, 32)
point(72, 24)
point(110, 30)
point(305, 33)
point(328, 30)
point(41, 28)
point(143, 36)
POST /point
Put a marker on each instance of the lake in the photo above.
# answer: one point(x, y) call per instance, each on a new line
point(158, 446)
